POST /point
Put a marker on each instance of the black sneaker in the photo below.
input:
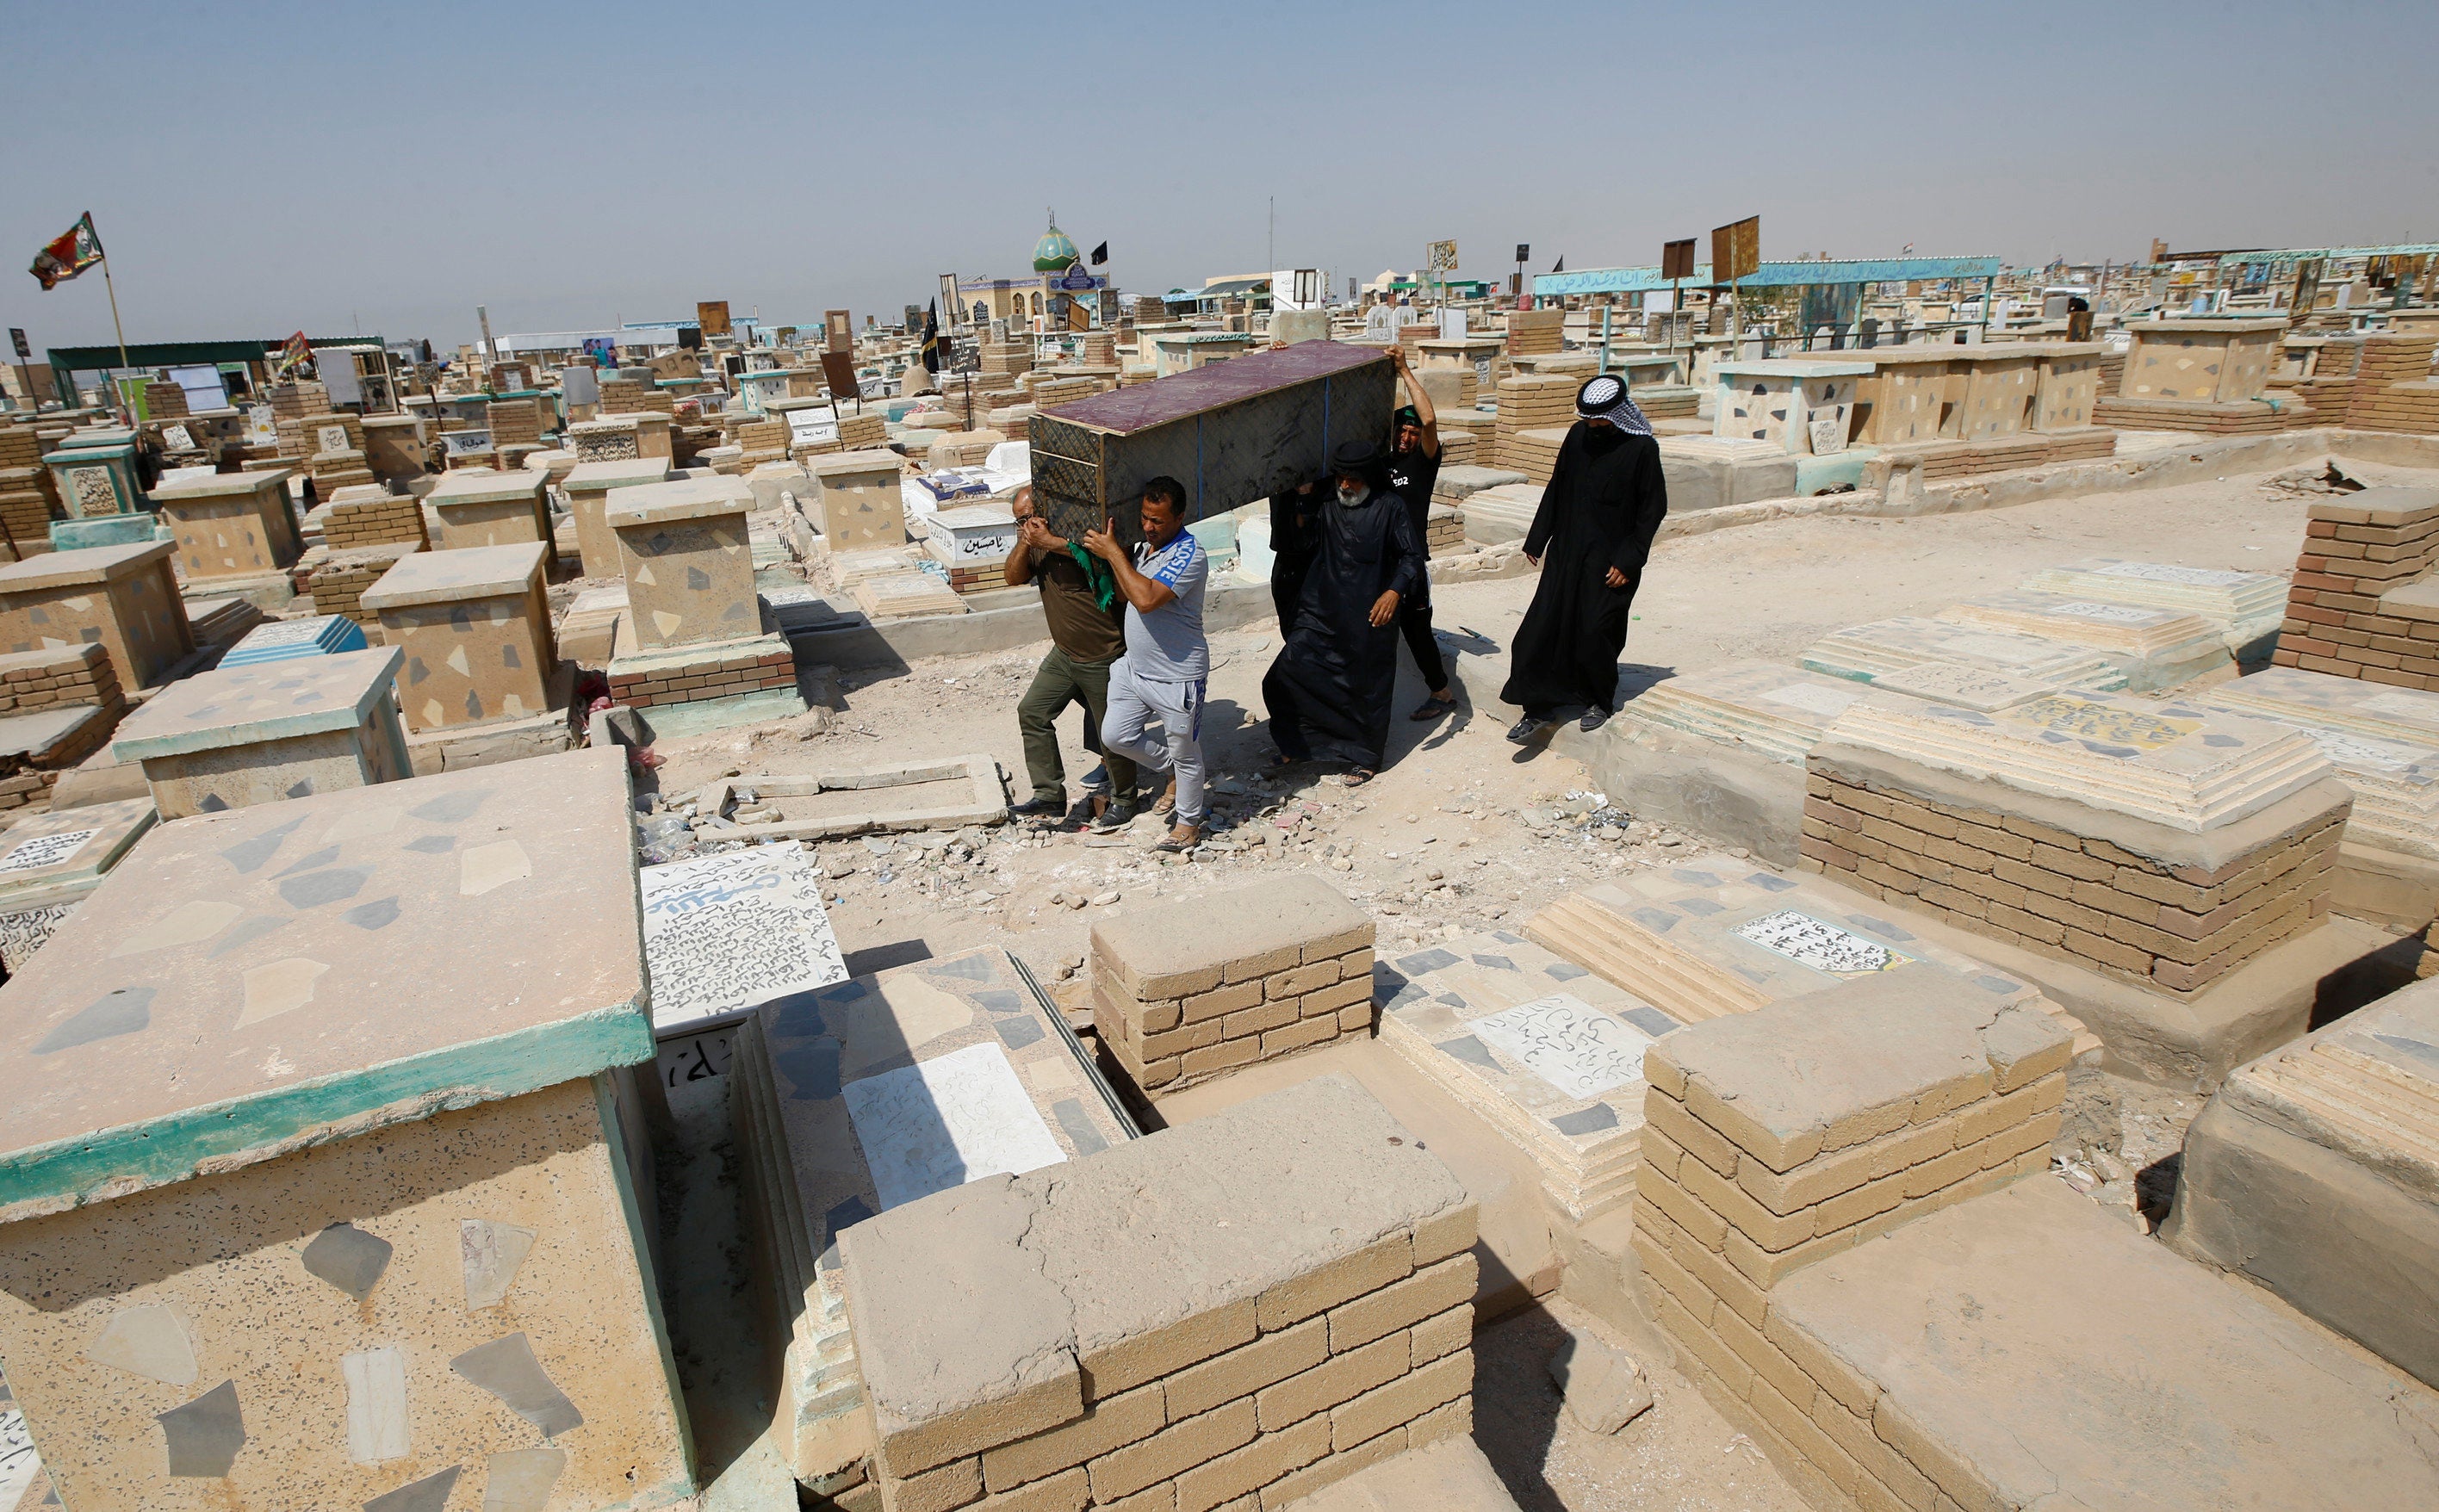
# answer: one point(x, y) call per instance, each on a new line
point(1593, 719)
point(1117, 813)
point(1042, 806)
point(1525, 731)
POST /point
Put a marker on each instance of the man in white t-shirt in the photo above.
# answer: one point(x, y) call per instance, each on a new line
point(1168, 660)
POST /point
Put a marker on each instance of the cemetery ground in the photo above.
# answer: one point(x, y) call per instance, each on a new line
point(1462, 832)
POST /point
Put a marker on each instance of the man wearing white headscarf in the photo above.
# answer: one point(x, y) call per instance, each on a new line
point(1591, 538)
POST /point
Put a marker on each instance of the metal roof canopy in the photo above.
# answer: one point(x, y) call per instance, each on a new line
point(2411, 249)
point(1771, 275)
point(181, 354)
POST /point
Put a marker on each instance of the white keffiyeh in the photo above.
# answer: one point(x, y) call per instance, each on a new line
point(1603, 398)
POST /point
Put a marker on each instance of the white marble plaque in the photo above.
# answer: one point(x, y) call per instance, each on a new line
point(1813, 699)
point(1573, 1046)
point(19, 1463)
point(724, 932)
point(944, 1122)
point(2112, 613)
point(46, 851)
point(2159, 572)
point(1820, 945)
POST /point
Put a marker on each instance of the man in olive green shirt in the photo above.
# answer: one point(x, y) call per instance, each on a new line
point(1086, 637)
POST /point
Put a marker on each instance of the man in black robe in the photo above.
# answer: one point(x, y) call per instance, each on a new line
point(1294, 517)
point(1604, 503)
point(1328, 692)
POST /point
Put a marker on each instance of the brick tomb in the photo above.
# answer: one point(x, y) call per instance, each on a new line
point(1184, 992)
point(2363, 604)
point(2160, 843)
point(1774, 1140)
point(1153, 1326)
point(694, 629)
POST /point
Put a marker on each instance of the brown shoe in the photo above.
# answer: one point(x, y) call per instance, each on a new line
point(1180, 838)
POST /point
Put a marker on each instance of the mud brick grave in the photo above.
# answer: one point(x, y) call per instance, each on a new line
point(2158, 843)
point(1152, 1323)
point(1184, 992)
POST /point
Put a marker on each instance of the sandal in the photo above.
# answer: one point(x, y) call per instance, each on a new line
point(1358, 777)
point(1432, 708)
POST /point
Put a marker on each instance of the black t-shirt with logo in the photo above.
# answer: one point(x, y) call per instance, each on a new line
point(1412, 475)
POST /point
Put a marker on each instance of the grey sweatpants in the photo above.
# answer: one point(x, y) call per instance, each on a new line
point(1134, 702)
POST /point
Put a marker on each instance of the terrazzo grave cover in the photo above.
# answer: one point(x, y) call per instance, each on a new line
point(1549, 1053)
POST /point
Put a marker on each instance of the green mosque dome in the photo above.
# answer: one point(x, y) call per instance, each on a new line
point(1054, 253)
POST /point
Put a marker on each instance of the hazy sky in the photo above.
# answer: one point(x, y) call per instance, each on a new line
point(257, 167)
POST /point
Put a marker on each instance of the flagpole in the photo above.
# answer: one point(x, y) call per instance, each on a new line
point(116, 327)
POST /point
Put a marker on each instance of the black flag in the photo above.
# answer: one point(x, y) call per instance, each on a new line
point(932, 338)
point(1101, 254)
point(1563, 264)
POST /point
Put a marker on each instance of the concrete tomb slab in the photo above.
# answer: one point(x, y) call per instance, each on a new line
point(227, 1026)
point(2155, 649)
point(1774, 710)
point(1546, 1052)
point(269, 732)
point(2248, 606)
point(1863, 653)
point(970, 791)
point(2003, 1342)
point(281, 640)
point(1799, 406)
point(2314, 1171)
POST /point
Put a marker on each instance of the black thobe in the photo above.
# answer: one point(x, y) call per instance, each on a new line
point(1294, 519)
point(1329, 690)
point(1604, 503)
